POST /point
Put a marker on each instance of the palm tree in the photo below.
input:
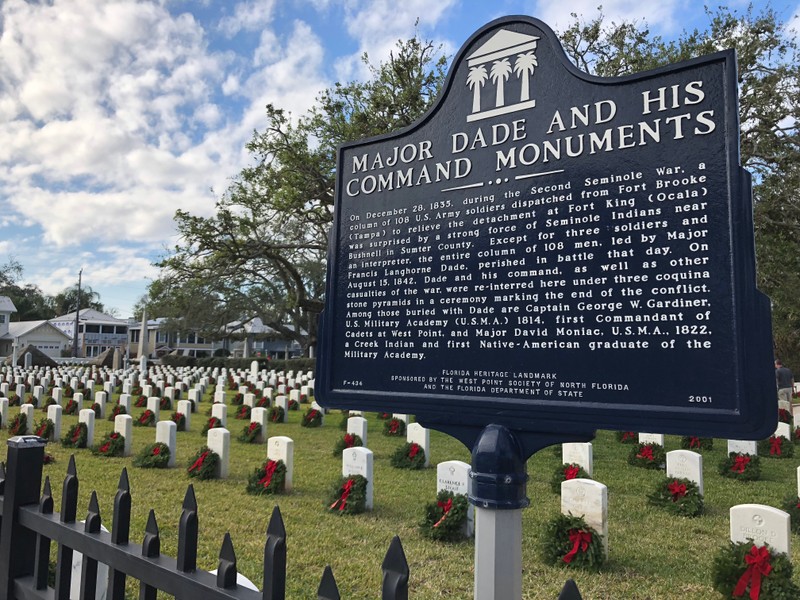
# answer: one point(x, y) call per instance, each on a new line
point(475, 80)
point(501, 69)
point(524, 67)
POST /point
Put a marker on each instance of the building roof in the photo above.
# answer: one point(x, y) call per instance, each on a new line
point(91, 315)
point(21, 328)
point(6, 305)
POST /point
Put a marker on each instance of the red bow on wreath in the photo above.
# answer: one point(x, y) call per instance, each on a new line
point(413, 450)
point(677, 489)
point(349, 440)
point(76, 435)
point(627, 435)
point(775, 445)
point(445, 506)
point(740, 464)
point(268, 472)
point(342, 501)
point(694, 442)
point(252, 426)
point(393, 426)
point(758, 561)
point(646, 452)
point(571, 472)
point(157, 451)
point(580, 540)
point(199, 462)
point(104, 448)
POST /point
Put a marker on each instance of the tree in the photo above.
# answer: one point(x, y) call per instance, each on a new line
point(10, 272)
point(263, 253)
point(66, 300)
point(31, 303)
point(769, 108)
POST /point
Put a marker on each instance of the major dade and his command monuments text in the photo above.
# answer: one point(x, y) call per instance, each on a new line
point(505, 255)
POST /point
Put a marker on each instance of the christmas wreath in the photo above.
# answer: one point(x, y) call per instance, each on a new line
point(68, 392)
point(165, 403)
point(566, 472)
point(76, 436)
point(154, 456)
point(117, 410)
point(312, 418)
point(18, 425)
point(348, 440)
point(49, 401)
point(31, 399)
point(741, 466)
point(204, 464)
point(745, 570)
point(394, 427)
point(243, 412)
point(791, 504)
point(679, 496)
point(409, 456)
point(98, 410)
point(238, 399)
point(212, 423)
point(141, 402)
point(384, 415)
point(303, 398)
point(179, 419)
point(776, 446)
point(49, 459)
point(568, 540)
point(250, 433)
point(294, 405)
point(146, 419)
point(71, 407)
point(263, 402)
point(269, 478)
point(113, 444)
point(796, 434)
point(784, 416)
point(647, 456)
point(44, 429)
point(276, 414)
point(444, 519)
point(14, 400)
point(627, 437)
point(136, 390)
point(693, 442)
point(349, 496)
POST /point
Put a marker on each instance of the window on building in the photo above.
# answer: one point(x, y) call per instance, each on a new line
point(107, 329)
point(2, 318)
point(135, 336)
point(92, 328)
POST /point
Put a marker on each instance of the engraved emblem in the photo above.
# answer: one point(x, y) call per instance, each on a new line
point(758, 520)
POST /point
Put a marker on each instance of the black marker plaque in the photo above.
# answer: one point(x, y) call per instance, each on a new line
point(552, 251)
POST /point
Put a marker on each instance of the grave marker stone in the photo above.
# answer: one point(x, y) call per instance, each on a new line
point(219, 440)
point(123, 425)
point(743, 447)
point(166, 434)
point(358, 426)
point(54, 414)
point(589, 499)
point(686, 464)
point(417, 434)
point(761, 524)
point(453, 476)
point(87, 416)
point(125, 402)
point(283, 402)
point(154, 405)
point(579, 453)
point(220, 411)
point(185, 408)
point(358, 461)
point(260, 415)
point(27, 410)
point(281, 447)
point(652, 438)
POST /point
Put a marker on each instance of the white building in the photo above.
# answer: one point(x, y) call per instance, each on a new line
point(7, 308)
point(97, 331)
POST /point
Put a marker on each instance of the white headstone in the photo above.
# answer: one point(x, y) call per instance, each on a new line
point(125, 402)
point(101, 398)
point(280, 447)
point(588, 499)
point(58, 395)
point(254, 369)
point(154, 406)
point(4, 412)
point(219, 397)
point(219, 440)
point(101, 588)
point(784, 430)
point(743, 447)
point(185, 408)
point(54, 414)
point(220, 411)
point(123, 425)
point(402, 417)
point(358, 426)
point(166, 434)
point(283, 402)
point(453, 476)
point(27, 410)
point(87, 416)
point(685, 464)
point(417, 434)
point(250, 399)
point(358, 461)
point(761, 524)
point(651, 438)
point(147, 390)
point(580, 454)
point(796, 415)
point(260, 415)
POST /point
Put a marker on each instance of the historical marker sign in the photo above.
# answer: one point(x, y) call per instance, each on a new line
point(551, 251)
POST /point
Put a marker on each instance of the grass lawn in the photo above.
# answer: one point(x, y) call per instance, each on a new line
point(653, 555)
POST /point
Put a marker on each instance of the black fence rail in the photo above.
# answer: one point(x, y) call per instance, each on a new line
point(29, 525)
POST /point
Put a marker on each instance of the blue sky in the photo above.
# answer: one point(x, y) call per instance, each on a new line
point(114, 114)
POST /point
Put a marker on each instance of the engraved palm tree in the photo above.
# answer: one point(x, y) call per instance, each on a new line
point(501, 69)
point(475, 80)
point(523, 67)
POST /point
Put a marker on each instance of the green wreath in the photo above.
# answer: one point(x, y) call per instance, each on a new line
point(113, 444)
point(179, 419)
point(136, 390)
point(244, 412)
point(76, 436)
point(238, 399)
point(269, 478)
point(409, 456)
point(565, 472)
point(784, 416)
point(49, 401)
point(212, 423)
point(31, 399)
point(44, 429)
point(18, 425)
point(569, 541)
point(146, 419)
point(349, 496)
point(791, 504)
point(394, 427)
point(294, 405)
point(263, 402)
point(204, 464)
point(68, 392)
point(348, 440)
point(14, 400)
point(276, 414)
point(312, 418)
point(165, 403)
point(679, 496)
point(776, 446)
point(154, 456)
point(734, 567)
point(71, 407)
point(117, 410)
point(141, 402)
point(384, 415)
point(98, 410)
point(250, 433)
point(627, 437)
point(303, 398)
point(647, 456)
point(444, 519)
point(693, 442)
point(741, 466)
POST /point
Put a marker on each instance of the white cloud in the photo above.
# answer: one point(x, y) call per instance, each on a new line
point(665, 16)
point(248, 16)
